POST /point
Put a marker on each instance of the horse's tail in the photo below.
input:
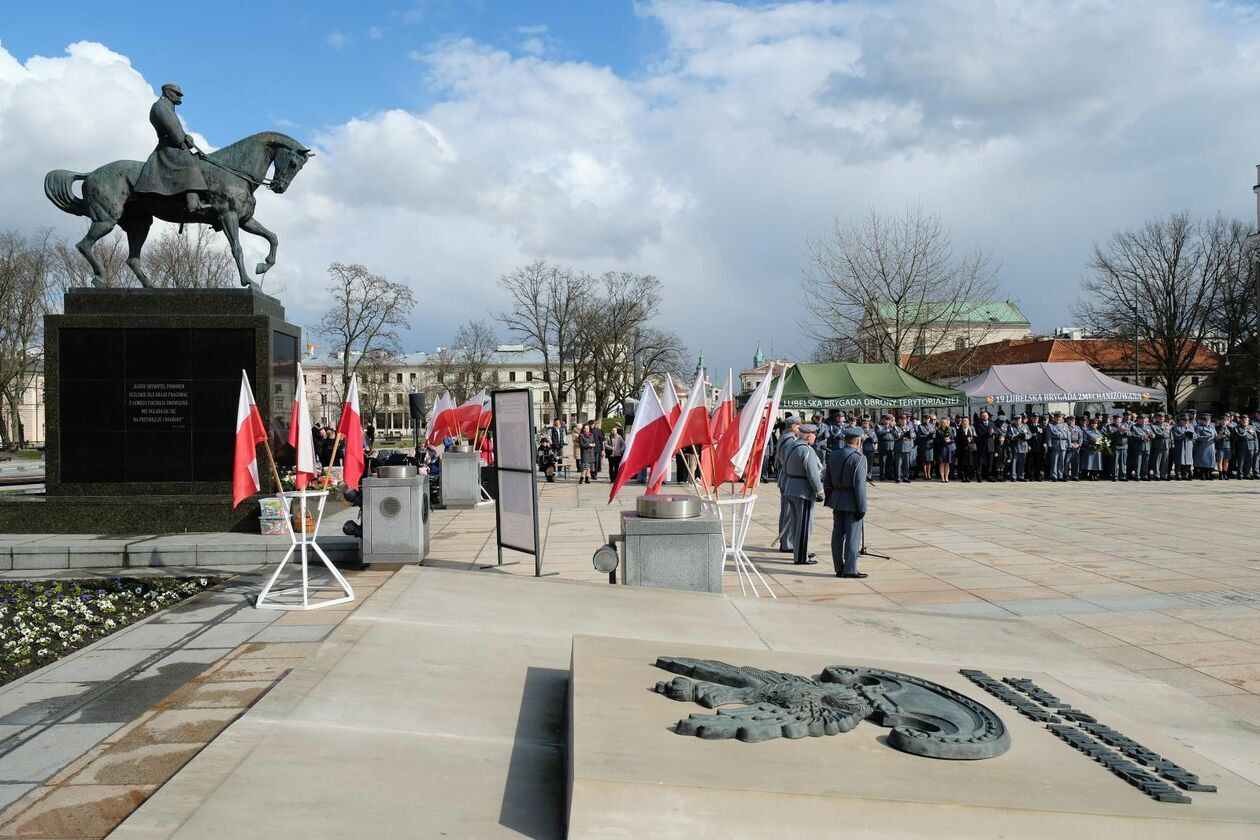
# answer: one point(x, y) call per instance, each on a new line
point(59, 187)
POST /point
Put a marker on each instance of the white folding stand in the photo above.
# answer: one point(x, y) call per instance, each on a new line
point(267, 597)
point(736, 515)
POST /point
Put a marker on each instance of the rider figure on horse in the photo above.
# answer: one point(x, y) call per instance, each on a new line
point(172, 168)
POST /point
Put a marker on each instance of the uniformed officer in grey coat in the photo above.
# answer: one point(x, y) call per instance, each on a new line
point(804, 487)
point(1119, 434)
point(1205, 446)
point(1076, 439)
point(870, 446)
point(1183, 447)
point(905, 448)
point(888, 434)
point(787, 442)
point(1017, 438)
point(1161, 447)
point(1140, 440)
point(845, 483)
point(1058, 438)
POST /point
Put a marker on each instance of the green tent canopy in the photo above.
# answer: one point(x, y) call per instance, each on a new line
point(854, 385)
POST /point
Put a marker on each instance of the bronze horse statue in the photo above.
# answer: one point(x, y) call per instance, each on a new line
point(232, 173)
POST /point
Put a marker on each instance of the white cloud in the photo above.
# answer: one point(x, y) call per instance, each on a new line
point(1035, 128)
point(336, 39)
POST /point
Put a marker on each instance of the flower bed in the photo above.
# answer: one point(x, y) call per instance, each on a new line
point(44, 620)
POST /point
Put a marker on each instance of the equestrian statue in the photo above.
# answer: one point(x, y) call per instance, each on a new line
point(181, 184)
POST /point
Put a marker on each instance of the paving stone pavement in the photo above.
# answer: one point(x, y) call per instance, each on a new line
point(1161, 578)
point(87, 739)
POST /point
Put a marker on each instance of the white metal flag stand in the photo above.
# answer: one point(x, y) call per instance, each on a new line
point(736, 515)
point(304, 542)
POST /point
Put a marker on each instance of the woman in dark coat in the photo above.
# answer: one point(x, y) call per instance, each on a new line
point(946, 448)
point(967, 449)
point(588, 450)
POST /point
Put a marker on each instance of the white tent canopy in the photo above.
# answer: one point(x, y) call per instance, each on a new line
point(1046, 382)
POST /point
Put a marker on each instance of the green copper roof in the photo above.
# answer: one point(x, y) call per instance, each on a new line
point(962, 312)
point(759, 358)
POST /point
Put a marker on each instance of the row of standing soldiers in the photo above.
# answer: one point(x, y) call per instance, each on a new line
point(1126, 446)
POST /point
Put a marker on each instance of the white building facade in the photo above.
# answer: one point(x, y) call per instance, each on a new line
point(384, 391)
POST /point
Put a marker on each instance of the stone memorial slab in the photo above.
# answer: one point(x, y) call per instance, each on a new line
point(1073, 764)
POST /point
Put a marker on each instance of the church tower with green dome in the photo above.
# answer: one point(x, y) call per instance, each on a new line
point(759, 358)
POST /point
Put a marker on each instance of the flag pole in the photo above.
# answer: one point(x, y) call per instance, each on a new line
point(328, 467)
point(271, 460)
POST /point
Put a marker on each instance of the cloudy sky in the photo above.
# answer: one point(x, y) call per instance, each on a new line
point(698, 141)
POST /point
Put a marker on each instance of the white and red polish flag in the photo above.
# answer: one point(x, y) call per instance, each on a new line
point(648, 437)
point(300, 434)
point(691, 429)
point(720, 419)
point(739, 438)
point(753, 475)
point(440, 424)
point(670, 402)
point(250, 432)
point(350, 427)
point(468, 416)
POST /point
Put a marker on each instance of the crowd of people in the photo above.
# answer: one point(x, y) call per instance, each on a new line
point(590, 446)
point(1122, 446)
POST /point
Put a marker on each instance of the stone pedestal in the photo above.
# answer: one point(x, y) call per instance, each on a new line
point(141, 391)
point(461, 479)
point(673, 553)
point(395, 519)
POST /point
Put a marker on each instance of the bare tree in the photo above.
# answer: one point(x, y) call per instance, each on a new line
point(896, 284)
point(375, 370)
point(546, 303)
point(26, 268)
point(443, 367)
point(843, 348)
point(620, 348)
point(1233, 318)
point(196, 259)
point(1155, 287)
point(475, 347)
point(72, 271)
point(368, 311)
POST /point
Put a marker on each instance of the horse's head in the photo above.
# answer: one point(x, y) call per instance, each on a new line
point(288, 163)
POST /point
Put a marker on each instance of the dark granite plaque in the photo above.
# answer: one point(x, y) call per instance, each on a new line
point(150, 405)
point(140, 401)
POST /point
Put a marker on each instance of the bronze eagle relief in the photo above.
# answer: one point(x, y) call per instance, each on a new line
point(926, 718)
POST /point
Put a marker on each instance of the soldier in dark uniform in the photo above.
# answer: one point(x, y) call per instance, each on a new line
point(1245, 447)
point(986, 443)
point(172, 168)
point(1183, 447)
